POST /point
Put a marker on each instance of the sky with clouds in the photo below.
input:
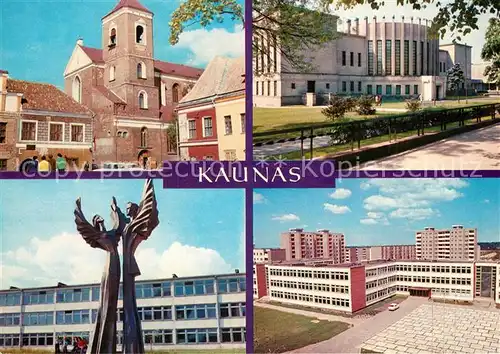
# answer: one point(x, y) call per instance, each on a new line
point(379, 211)
point(38, 36)
point(200, 231)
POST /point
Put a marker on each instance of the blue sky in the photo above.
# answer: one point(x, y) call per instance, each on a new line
point(37, 37)
point(379, 211)
point(200, 231)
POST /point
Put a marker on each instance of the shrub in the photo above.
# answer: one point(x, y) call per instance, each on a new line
point(364, 106)
point(337, 108)
point(413, 105)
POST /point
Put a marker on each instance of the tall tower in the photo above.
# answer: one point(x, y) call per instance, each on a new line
point(127, 38)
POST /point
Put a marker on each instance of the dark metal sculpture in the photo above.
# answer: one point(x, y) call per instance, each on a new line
point(143, 219)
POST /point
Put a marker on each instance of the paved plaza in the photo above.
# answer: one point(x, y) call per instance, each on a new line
point(475, 150)
point(437, 328)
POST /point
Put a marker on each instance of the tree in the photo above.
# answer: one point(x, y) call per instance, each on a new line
point(338, 107)
point(172, 134)
point(454, 78)
point(364, 106)
point(491, 51)
point(305, 24)
point(413, 105)
point(294, 27)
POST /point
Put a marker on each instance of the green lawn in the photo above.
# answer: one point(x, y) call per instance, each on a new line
point(278, 332)
point(265, 119)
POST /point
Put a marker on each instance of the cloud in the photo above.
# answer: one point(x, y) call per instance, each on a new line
point(46, 262)
point(412, 198)
point(413, 214)
point(336, 209)
point(374, 215)
point(258, 198)
point(486, 201)
point(286, 217)
point(205, 44)
point(368, 221)
point(365, 186)
point(341, 193)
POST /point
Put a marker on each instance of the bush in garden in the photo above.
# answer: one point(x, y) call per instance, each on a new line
point(364, 106)
point(413, 105)
point(337, 108)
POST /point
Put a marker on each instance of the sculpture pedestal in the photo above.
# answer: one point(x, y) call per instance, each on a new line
point(310, 99)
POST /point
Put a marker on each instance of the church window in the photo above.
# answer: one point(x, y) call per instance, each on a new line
point(112, 37)
point(77, 89)
point(143, 100)
point(139, 34)
point(144, 137)
point(112, 70)
point(175, 93)
point(141, 71)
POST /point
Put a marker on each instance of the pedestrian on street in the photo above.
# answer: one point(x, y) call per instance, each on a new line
point(60, 163)
point(43, 166)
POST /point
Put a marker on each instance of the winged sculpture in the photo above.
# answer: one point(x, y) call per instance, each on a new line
point(95, 234)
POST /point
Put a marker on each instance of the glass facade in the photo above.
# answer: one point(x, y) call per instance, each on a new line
point(388, 57)
point(414, 54)
point(379, 57)
point(370, 57)
point(397, 53)
point(406, 57)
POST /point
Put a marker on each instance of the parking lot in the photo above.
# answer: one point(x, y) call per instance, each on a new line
point(438, 328)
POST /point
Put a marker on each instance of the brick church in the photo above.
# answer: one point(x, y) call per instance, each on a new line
point(133, 95)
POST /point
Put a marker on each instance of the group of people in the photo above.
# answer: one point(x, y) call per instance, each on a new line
point(46, 164)
point(79, 346)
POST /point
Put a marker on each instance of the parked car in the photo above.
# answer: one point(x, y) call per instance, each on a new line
point(393, 307)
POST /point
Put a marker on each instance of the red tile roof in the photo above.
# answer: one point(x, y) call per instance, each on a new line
point(94, 54)
point(134, 4)
point(178, 69)
point(45, 97)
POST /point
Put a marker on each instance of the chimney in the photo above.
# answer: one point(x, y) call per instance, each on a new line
point(80, 41)
point(349, 26)
point(356, 25)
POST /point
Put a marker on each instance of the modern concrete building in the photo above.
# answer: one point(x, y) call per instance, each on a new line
point(457, 243)
point(206, 312)
point(385, 252)
point(300, 244)
point(481, 82)
point(265, 255)
point(354, 286)
point(384, 57)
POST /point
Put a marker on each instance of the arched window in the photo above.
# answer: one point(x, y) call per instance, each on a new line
point(77, 89)
point(143, 100)
point(141, 71)
point(112, 37)
point(144, 137)
point(175, 93)
point(112, 70)
point(139, 34)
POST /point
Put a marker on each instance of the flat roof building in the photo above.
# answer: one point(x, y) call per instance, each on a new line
point(205, 312)
point(264, 255)
point(457, 243)
point(299, 244)
point(354, 286)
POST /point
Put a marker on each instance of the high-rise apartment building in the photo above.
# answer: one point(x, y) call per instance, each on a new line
point(386, 252)
point(457, 243)
point(265, 255)
point(300, 244)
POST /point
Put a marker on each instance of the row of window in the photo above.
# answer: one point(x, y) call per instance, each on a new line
point(351, 58)
point(397, 58)
point(153, 313)
point(321, 274)
point(317, 299)
point(343, 289)
point(381, 293)
point(260, 88)
point(388, 89)
point(142, 291)
point(29, 131)
point(434, 269)
point(139, 35)
point(208, 126)
point(267, 48)
point(159, 336)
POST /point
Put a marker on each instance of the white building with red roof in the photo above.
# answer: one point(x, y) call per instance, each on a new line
point(133, 95)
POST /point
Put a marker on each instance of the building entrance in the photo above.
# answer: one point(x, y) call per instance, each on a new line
point(421, 292)
point(311, 86)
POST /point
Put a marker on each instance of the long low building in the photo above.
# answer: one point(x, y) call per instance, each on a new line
point(353, 286)
point(206, 312)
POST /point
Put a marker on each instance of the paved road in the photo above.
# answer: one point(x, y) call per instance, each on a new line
point(319, 316)
point(289, 146)
point(351, 340)
point(476, 150)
